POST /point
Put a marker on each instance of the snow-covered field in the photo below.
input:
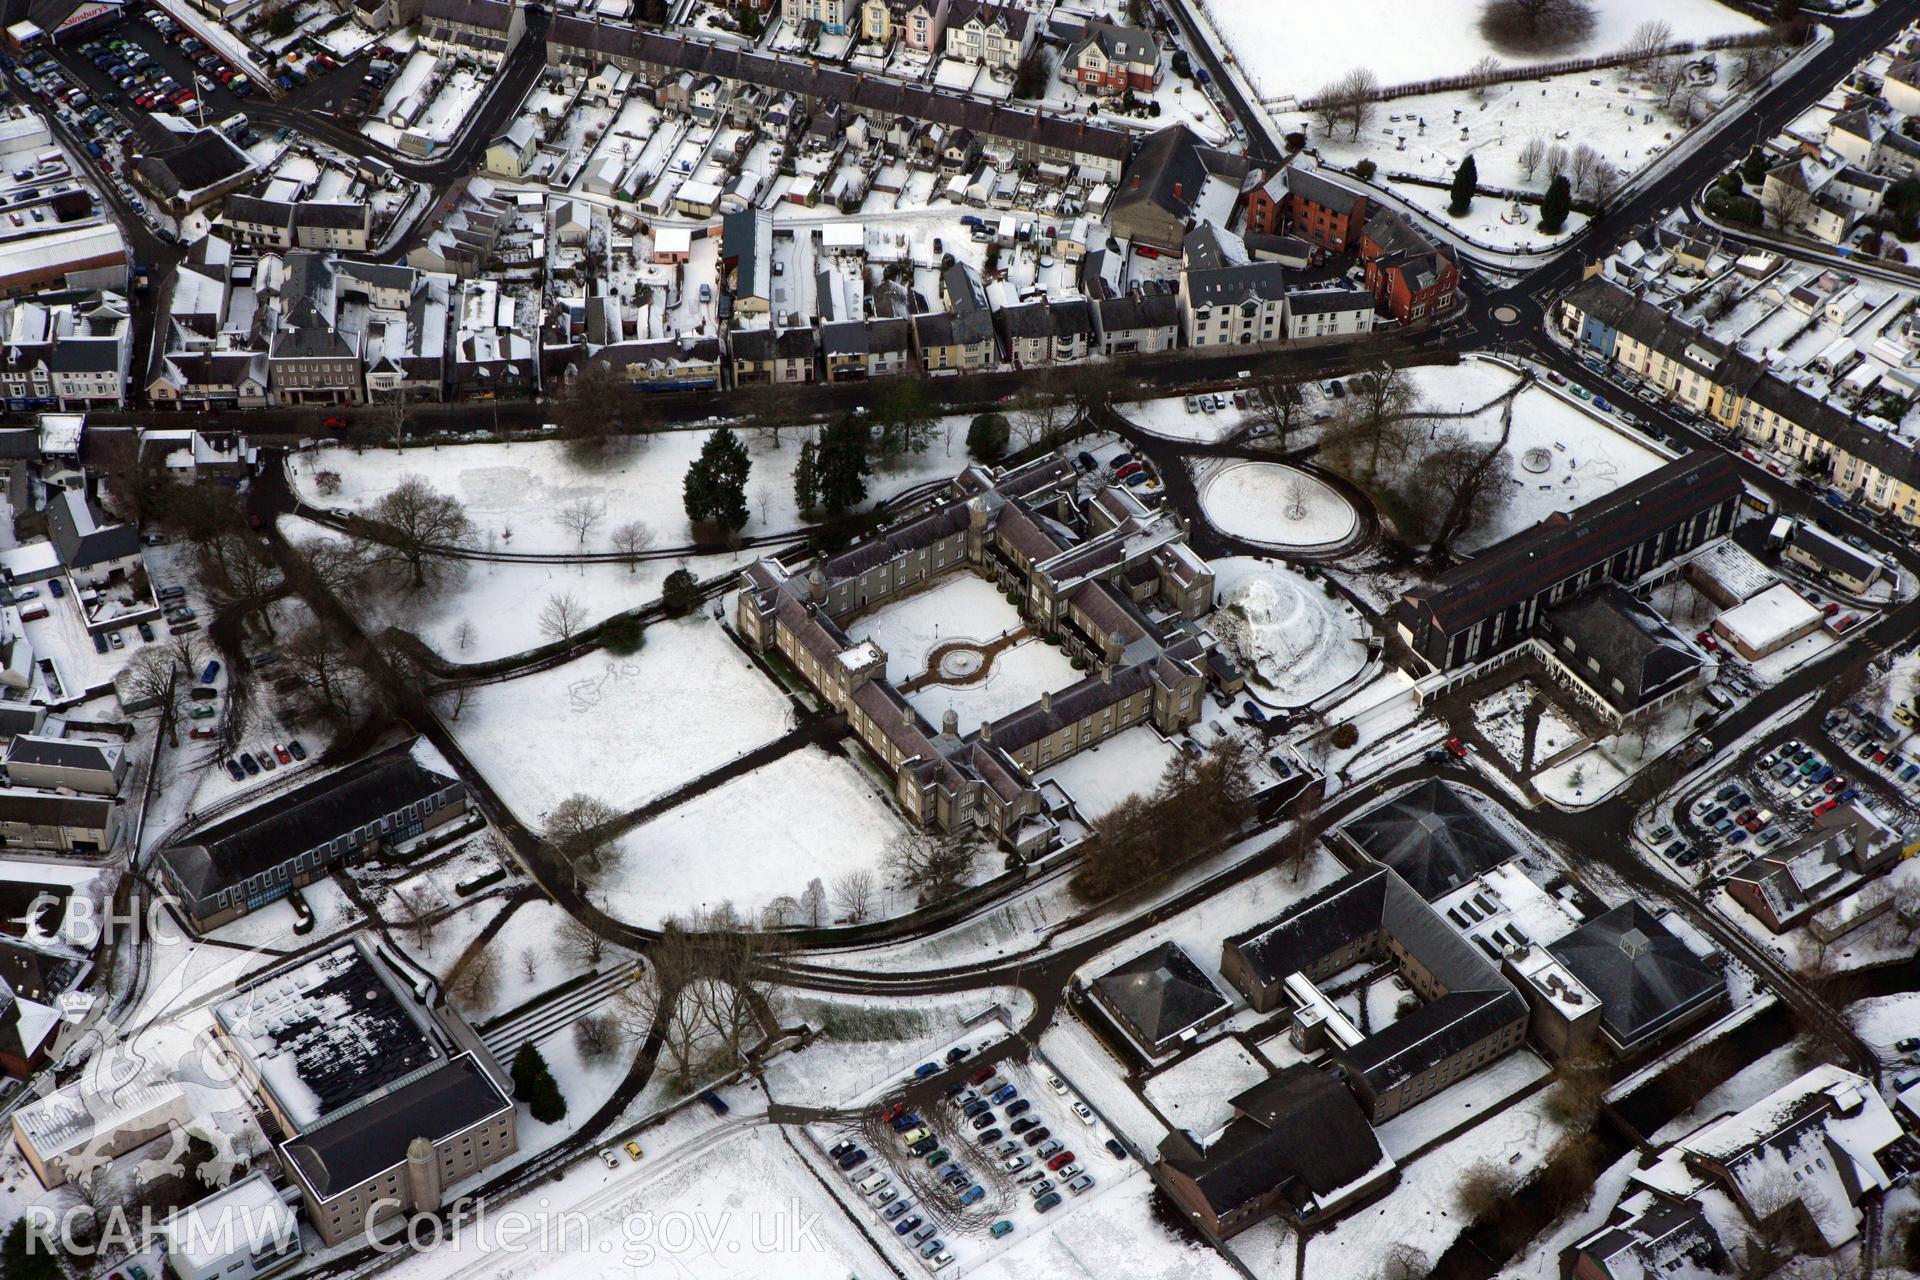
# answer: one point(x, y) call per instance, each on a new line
point(1565, 453)
point(1881, 1020)
point(1018, 676)
point(1124, 764)
point(1289, 49)
point(1196, 1093)
point(962, 606)
point(1295, 641)
point(622, 729)
point(1424, 1208)
point(806, 816)
point(1275, 506)
point(1501, 719)
point(502, 599)
point(1116, 1235)
point(1169, 417)
point(513, 492)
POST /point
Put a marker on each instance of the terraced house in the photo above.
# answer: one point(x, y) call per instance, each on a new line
point(1739, 392)
point(1111, 582)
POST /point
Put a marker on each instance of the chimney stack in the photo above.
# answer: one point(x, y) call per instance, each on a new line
point(1046, 700)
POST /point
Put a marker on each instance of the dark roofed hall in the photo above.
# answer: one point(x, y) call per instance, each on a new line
point(1160, 995)
point(346, 1149)
point(1431, 837)
point(1298, 1143)
point(1647, 979)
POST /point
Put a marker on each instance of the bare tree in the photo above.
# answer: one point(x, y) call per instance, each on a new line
point(562, 615)
point(1556, 162)
point(1482, 1188)
point(1602, 183)
point(579, 828)
point(1376, 424)
point(1038, 417)
point(853, 895)
point(477, 981)
point(580, 517)
point(337, 566)
point(630, 539)
point(813, 903)
point(1350, 100)
point(413, 524)
point(1581, 166)
point(327, 482)
point(1786, 203)
point(1532, 152)
point(1483, 73)
point(464, 635)
point(529, 963)
point(580, 947)
point(329, 678)
point(597, 1036)
point(1403, 1261)
point(931, 863)
point(393, 413)
point(154, 677)
point(1647, 42)
point(413, 910)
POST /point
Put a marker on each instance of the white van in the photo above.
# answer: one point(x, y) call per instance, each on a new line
point(872, 1183)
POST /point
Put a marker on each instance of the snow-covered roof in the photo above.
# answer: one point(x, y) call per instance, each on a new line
point(1816, 1140)
point(247, 1217)
point(1768, 618)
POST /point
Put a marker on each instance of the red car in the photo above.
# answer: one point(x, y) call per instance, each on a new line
point(1556, 379)
point(1824, 806)
point(1146, 251)
point(889, 1115)
point(325, 61)
point(981, 1076)
point(1847, 623)
point(1829, 608)
point(1707, 641)
point(1833, 784)
point(334, 424)
point(1457, 747)
point(202, 733)
point(1061, 1161)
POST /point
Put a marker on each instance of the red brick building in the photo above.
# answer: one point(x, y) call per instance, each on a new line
point(1410, 277)
point(1302, 203)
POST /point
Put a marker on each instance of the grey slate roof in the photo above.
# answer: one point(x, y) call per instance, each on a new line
point(1298, 1131)
point(1474, 1000)
point(1160, 993)
point(332, 805)
point(1633, 644)
point(352, 1145)
point(83, 535)
point(1645, 977)
point(1431, 838)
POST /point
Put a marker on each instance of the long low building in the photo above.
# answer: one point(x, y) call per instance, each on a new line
point(1494, 601)
point(262, 854)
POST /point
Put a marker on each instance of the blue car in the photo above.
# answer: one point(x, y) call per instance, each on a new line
point(1005, 1094)
point(906, 1224)
point(1254, 713)
point(212, 670)
point(925, 1069)
point(973, 1194)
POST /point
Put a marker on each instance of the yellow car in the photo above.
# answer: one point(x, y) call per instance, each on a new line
point(1904, 714)
point(633, 1150)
